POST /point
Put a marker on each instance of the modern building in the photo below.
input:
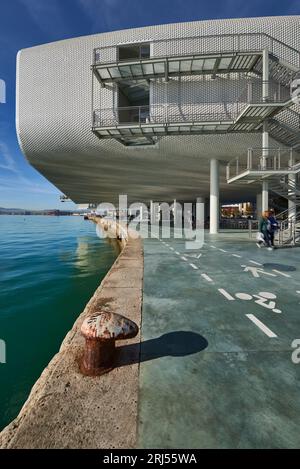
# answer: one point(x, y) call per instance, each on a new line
point(201, 109)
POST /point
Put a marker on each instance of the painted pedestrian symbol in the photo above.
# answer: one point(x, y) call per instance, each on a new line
point(264, 298)
point(256, 271)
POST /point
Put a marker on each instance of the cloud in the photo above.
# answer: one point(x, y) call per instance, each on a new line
point(47, 15)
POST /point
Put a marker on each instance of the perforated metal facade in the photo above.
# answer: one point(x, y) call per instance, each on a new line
point(54, 114)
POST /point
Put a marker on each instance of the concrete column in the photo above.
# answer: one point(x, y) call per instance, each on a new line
point(258, 205)
point(214, 196)
point(175, 212)
point(265, 196)
point(141, 213)
point(265, 75)
point(292, 182)
point(151, 212)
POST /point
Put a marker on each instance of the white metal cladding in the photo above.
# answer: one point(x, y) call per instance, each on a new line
point(54, 114)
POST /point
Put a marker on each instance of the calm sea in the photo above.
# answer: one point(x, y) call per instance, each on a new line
point(49, 269)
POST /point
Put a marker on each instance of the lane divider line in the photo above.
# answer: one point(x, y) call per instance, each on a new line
point(206, 277)
point(184, 258)
point(194, 266)
point(281, 273)
point(236, 255)
point(178, 253)
point(254, 262)
point(223, 250)
point(261, 325)
point(226, 294)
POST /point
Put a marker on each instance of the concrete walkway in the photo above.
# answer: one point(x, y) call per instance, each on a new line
point(217, 328)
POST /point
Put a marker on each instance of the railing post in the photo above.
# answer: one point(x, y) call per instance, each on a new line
point(265, 75)
point(250, 92)
point(250, 158)
point(228, 171)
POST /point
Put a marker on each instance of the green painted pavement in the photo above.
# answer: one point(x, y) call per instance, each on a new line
point(210, 377)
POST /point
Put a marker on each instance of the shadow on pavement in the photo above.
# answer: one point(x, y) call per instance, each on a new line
point(282, 267)
point(174, 344)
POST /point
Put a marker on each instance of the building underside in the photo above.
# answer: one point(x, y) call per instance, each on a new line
point(142, 112)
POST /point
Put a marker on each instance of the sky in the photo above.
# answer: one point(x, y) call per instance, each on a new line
point(26, 23)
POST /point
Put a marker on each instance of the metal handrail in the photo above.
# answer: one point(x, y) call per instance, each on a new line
point(163, 113)
point(235, 38)
point(267, 158)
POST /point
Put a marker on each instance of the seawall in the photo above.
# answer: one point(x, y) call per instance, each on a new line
point(68, 410)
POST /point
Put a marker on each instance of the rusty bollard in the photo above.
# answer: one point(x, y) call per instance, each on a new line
point(101, 330)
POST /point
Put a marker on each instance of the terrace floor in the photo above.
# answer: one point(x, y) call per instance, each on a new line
point(217, 330)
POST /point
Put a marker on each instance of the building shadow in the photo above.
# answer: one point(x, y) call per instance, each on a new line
point(173, 344)
point(281, 267)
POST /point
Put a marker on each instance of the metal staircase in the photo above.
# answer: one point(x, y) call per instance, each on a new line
point(284, 133)
point(285, 187)
point(170, 59)
point(279, 70)
point(289, 229)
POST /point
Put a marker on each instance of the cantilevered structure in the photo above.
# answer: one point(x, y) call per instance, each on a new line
point(157, 113)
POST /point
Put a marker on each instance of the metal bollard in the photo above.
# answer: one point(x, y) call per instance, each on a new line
point(101, 330)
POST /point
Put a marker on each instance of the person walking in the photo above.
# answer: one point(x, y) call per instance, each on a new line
point(264, 229)
point(273, 226)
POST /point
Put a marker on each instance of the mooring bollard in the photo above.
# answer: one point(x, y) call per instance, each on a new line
point(101, 330)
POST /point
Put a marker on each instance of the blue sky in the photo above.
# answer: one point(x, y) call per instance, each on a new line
point(25, 23)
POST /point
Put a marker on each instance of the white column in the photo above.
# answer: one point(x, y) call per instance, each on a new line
point(141, 213)
point(258, 205)
point(214, 196)
point(292, 183)
point(265, 135)
point(265, 75)
point(175, 213)
point(265, 196)
point(151, 212)
point(265, 154)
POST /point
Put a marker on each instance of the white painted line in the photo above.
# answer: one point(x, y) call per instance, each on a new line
point(213, 247)
point(207, 277)
point(236, 255)
point(184, 258)
point(281, 273)
point(172, 249)
point(223, 250)
point(178, 253)
point(256, 263)
point(194, 266)
point(198, 257)
point(261, 325)
point(226, 294)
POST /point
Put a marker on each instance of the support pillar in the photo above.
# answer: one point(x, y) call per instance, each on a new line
point(214, 196)
point(265, 196)
point(292, 188)
point(258, 205)
point(265, 134)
